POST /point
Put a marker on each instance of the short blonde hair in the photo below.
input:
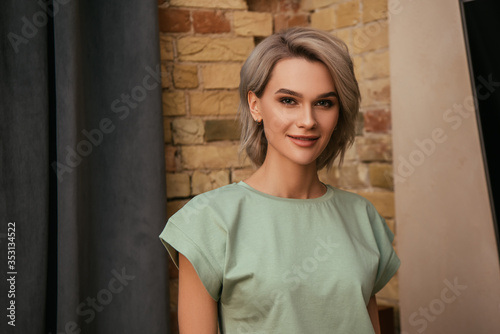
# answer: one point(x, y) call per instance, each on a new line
point(313, 45)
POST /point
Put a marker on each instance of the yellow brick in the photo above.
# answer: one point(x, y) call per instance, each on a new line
point(188, 131)
point(381, 176)
point(364, 93)
point(358, 69)
point(353, 176)
point(214, 103)
point(360, 124)
point(167, 131)
point(323, 19)
point(370, 37)
point(166, 48)
point(347, 14)
point(166, 80)
point(177, 185)
point(231, 4)
point(350, 153)
point(185, 76)
point(212, 156)
point(202, 182)
point(315, 4)
point(171, 158)
point(214, 49)
point(374, 10)
point(222, 129)
point(383, 202)
point(345, 35)
point(173, 103)
point(376, 65)
point(377, 148)
point(376, 92)
point(221, 76)
point(253, 23)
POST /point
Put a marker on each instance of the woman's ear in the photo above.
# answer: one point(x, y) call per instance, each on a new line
point(254, 104)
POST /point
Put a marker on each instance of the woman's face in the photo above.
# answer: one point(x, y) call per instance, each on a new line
point(299, 108)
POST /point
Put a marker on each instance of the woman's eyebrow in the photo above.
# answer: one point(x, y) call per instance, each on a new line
point(334, 94)
point(288, 92)
point(293, 93)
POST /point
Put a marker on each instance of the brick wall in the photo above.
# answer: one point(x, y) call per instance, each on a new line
point(203, 45)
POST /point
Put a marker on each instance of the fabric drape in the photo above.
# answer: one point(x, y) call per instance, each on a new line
point(82, 167)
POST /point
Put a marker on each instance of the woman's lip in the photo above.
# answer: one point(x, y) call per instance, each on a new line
point(304, 141)
point(304, 137)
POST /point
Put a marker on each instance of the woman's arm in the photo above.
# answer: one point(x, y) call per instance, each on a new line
point(197, 309)
point(373, 312)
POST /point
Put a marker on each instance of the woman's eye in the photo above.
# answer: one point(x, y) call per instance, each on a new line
point(325, 103)
point(287, 100)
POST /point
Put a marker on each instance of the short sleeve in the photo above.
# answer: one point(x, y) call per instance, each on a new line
point(389, 261)
point(195, 232)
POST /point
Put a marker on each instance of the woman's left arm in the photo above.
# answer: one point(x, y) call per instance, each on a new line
point(373, 312)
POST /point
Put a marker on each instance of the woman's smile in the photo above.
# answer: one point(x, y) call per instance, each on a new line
point(304, 141)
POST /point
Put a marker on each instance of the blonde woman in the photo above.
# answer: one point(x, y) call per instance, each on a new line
point(281, 252)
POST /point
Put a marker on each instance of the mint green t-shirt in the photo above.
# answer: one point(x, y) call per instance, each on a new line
point(281, 265)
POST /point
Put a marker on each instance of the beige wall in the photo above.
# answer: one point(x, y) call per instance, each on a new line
point(445, 229)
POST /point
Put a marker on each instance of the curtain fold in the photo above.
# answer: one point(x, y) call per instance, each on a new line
point(86, 87)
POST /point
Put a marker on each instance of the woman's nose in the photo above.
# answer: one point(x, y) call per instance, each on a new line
point(306, 118)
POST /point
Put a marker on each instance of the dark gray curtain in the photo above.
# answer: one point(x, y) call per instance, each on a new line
point(82, 168)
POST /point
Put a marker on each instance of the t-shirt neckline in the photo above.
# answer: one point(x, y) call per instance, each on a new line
point(324, 197)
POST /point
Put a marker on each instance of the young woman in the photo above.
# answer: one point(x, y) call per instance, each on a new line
point(281, 252)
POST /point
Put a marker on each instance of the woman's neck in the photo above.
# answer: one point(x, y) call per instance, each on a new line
point(287, 180)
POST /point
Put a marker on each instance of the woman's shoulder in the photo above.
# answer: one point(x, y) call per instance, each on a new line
point(212, 201)
point(353, 200)
point(228, 192)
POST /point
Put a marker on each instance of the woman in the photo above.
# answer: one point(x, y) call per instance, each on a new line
point(281, 252)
